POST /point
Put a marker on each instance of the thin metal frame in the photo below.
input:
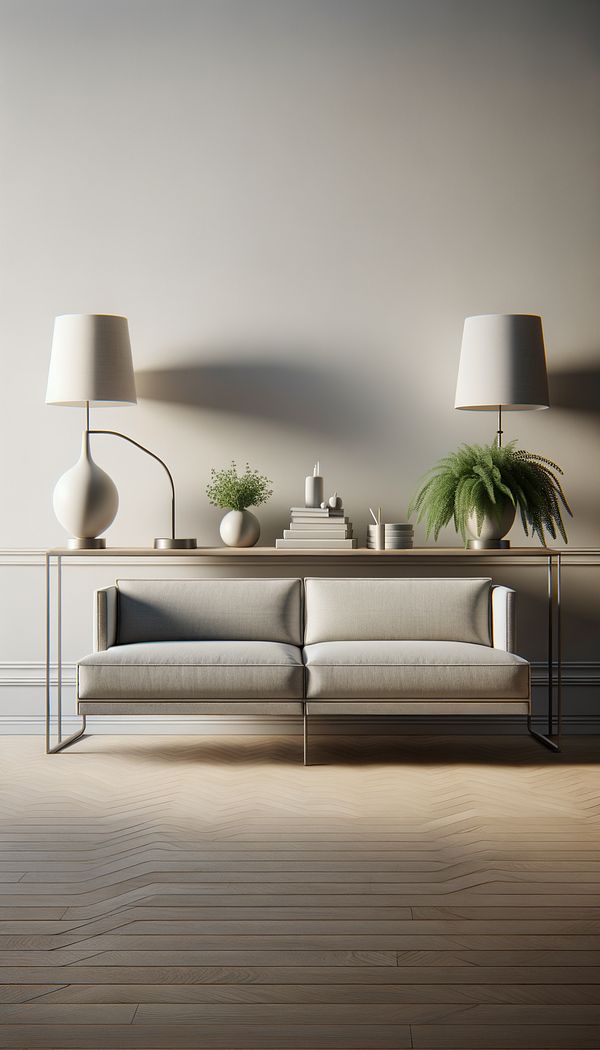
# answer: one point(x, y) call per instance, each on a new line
point(550, 646)
point(66, 741)
point(554, 634)
point(554, 651)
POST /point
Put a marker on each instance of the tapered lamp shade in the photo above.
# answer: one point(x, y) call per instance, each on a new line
point(91, 362)
point(502, 364)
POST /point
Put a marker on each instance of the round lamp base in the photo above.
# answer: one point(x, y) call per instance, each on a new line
point(86, 543)
point(488, 545)
point(168, 543)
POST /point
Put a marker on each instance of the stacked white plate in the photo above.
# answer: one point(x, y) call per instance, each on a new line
point(399, 535)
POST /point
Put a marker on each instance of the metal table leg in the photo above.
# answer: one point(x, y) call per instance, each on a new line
point(547, 741)
point(550, 644)
point(558, 647)
point(66, 741)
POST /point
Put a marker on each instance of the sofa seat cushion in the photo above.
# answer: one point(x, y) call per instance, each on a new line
point(413, 670)
point(193, 671)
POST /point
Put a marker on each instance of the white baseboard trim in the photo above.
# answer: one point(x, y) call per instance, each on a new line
point(32, 673)
point(240, 725)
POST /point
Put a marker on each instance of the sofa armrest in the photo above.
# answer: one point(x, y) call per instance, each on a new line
point(105, 618)
point(503, 618)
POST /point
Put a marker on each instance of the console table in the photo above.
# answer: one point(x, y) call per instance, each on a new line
point(360, 559)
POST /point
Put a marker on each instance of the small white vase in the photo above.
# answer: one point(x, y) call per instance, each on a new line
point(85, 498)
point(239, 528)
point(493, 527)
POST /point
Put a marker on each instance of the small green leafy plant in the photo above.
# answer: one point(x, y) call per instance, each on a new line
point(234, 491)
point(481, 479)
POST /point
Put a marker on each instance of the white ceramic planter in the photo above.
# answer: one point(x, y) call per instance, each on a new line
point(493, 528)
point(239, 528)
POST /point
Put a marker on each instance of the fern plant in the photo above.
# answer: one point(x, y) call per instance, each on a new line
point(479, 480)
point(233, 491)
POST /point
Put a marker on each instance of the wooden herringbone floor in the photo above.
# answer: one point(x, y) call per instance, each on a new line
point(187, 892)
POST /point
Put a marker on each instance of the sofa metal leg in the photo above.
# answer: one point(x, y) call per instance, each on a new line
point(305, 731)
point(62, 744)
point(545, 741)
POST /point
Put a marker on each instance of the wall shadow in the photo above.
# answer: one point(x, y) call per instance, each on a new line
point(294, 393)
point(576, 389)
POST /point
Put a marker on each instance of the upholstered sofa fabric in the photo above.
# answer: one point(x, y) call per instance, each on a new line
point(413, 670)
point(193, 670)
point(105, 618)
point(503, 618)
point(268, 610)
point(368, 646)
point(435, 610)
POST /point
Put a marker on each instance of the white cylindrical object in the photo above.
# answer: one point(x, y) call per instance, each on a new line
point(378, 536)
point(313, 490)
point(502, 363)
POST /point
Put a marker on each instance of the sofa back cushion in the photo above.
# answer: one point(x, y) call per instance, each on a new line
point(398, 610)
point(213, 610)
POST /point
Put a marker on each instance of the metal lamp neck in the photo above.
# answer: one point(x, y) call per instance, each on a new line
point(117, 433)
point(166, 544)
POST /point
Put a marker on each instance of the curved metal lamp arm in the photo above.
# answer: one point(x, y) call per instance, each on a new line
point(116, 433)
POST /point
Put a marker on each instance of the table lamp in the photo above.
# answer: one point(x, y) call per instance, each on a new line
point(91, 366)
point(502, 365)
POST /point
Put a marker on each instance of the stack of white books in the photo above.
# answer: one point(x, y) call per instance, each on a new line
point(312, 528)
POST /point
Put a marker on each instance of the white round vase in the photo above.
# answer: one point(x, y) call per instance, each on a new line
point(85, 498)
point(493, 528)
point(239, 528)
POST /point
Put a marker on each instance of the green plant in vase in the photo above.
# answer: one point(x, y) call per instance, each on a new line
point(481, 487)
point(236, 492)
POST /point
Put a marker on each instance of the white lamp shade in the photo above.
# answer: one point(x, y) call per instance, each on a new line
point(502, 363)
point(91, 361)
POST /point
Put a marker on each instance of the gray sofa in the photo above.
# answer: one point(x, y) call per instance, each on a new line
point(305, 647)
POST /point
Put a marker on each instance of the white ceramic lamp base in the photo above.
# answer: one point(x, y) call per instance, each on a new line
point(85, 501)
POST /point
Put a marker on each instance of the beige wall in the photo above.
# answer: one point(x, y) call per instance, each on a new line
point(296, 202)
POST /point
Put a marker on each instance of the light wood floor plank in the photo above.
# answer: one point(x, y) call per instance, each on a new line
point(348, 975)
point(503, 1037)
point(214, 1037)
point(22, 993)
point(36, 1013)
point(358, 1013)
point(579, 996)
